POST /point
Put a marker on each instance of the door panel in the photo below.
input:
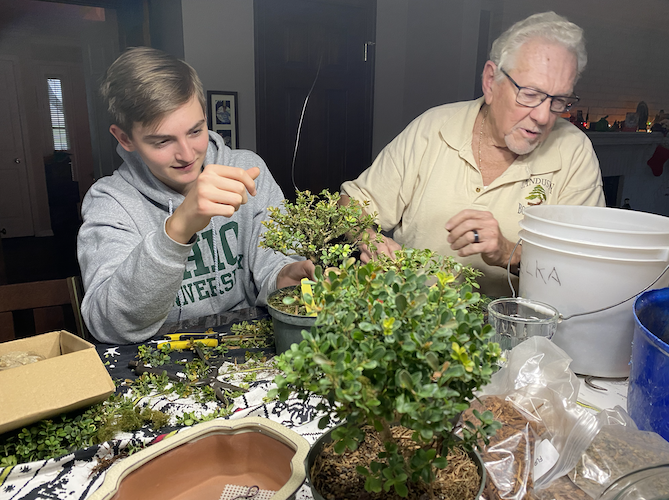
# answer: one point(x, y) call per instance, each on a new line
point(15, 212)
point(299, 42)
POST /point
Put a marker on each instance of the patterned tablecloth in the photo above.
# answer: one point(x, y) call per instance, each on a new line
point(75, 477)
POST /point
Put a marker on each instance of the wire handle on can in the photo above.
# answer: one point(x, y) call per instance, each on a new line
point(565, 318)
point(508, 269)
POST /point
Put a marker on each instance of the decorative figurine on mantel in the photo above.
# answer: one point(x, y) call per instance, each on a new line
point(642, 113)
point(602, 124)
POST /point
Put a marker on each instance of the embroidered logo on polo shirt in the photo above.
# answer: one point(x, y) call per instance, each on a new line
point(537, 196)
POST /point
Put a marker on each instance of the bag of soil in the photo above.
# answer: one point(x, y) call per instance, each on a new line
point(617, 449)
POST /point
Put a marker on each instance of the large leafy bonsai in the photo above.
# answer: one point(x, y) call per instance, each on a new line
point(394, 343)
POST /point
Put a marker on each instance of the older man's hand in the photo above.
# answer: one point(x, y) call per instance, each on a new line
point(477, 231)
point(387, 247)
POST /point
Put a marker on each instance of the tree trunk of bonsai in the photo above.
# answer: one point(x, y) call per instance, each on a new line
point(315, 464)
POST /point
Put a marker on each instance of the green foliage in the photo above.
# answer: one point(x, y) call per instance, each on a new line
point(127, 418)
point(50, 437)
point(251, 334)
point(149, 355)
point(317, 227)
point(395, 342)
point(192, 418)
point(67, 432)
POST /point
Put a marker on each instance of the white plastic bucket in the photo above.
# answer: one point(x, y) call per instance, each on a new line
point(598, 225)
point(576, 274)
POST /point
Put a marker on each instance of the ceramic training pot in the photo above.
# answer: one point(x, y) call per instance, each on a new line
point(199, 462)
point(288, 327)
point(327, 438)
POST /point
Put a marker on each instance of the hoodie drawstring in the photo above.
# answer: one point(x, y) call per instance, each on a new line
point(212, 225)
point(180, 294)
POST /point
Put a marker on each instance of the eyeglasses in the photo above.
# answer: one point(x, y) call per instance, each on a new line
point(532, 98)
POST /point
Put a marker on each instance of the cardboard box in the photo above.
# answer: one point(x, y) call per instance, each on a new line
point(71, 377)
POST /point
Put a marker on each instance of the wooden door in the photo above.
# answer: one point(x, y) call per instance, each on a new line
point(15, 212)
point(299, 42)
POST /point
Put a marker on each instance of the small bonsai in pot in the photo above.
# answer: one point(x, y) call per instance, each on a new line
point(318, 228)
point(395, 343)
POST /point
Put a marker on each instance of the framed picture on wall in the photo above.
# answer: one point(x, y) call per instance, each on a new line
point(222, 116)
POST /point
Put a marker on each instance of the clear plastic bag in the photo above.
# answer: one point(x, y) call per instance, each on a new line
point(579, 439)
point(561, 489)
point(616, 449)
point(538, 384)
point(508, 457)
point(15, 359)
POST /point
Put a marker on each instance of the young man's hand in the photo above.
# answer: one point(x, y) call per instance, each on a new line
point(292, 274)
point(218, 190)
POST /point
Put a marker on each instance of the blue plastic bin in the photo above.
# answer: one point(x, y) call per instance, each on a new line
point(648, 393)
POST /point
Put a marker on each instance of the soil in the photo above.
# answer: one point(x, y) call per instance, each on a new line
point(276, 301)
point(334, 476)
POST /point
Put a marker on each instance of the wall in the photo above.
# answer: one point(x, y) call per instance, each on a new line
point(218, 43)
point(390, 71)
point(626, 154)
point(425, 55)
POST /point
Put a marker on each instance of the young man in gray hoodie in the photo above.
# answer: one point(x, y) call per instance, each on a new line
point(173, 234)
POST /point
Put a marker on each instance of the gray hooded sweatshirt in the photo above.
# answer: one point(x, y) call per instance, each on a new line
point(136, 277)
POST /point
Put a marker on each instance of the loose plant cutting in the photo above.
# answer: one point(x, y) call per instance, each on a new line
point(121, 412)
point(396, 353)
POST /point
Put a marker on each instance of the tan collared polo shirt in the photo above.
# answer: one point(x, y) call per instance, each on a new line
point(427, 174)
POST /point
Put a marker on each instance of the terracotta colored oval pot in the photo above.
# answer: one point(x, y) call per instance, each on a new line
point(288, 327)
point(202, 461)
point(327, 438)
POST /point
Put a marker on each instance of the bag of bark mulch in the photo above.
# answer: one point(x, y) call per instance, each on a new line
point(508, 457)
point(534, 398)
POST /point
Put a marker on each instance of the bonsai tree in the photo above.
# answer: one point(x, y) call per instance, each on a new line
point(318, 227)
point(395, 342)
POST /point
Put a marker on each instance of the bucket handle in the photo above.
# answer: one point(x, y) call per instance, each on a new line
point(563, 318)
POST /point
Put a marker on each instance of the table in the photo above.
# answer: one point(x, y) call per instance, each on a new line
point(75, 476)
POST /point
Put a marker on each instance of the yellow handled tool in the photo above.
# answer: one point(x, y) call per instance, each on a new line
point(188, 336)
point(187, 344)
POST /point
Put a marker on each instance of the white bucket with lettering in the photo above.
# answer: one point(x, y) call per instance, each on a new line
point(608, 258)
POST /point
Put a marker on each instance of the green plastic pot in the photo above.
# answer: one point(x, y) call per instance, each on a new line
point(288, 327)
point(326, 438)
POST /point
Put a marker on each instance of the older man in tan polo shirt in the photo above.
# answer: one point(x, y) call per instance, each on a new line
point(459, 177)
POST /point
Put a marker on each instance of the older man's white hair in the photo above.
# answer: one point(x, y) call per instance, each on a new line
point(548, 26)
